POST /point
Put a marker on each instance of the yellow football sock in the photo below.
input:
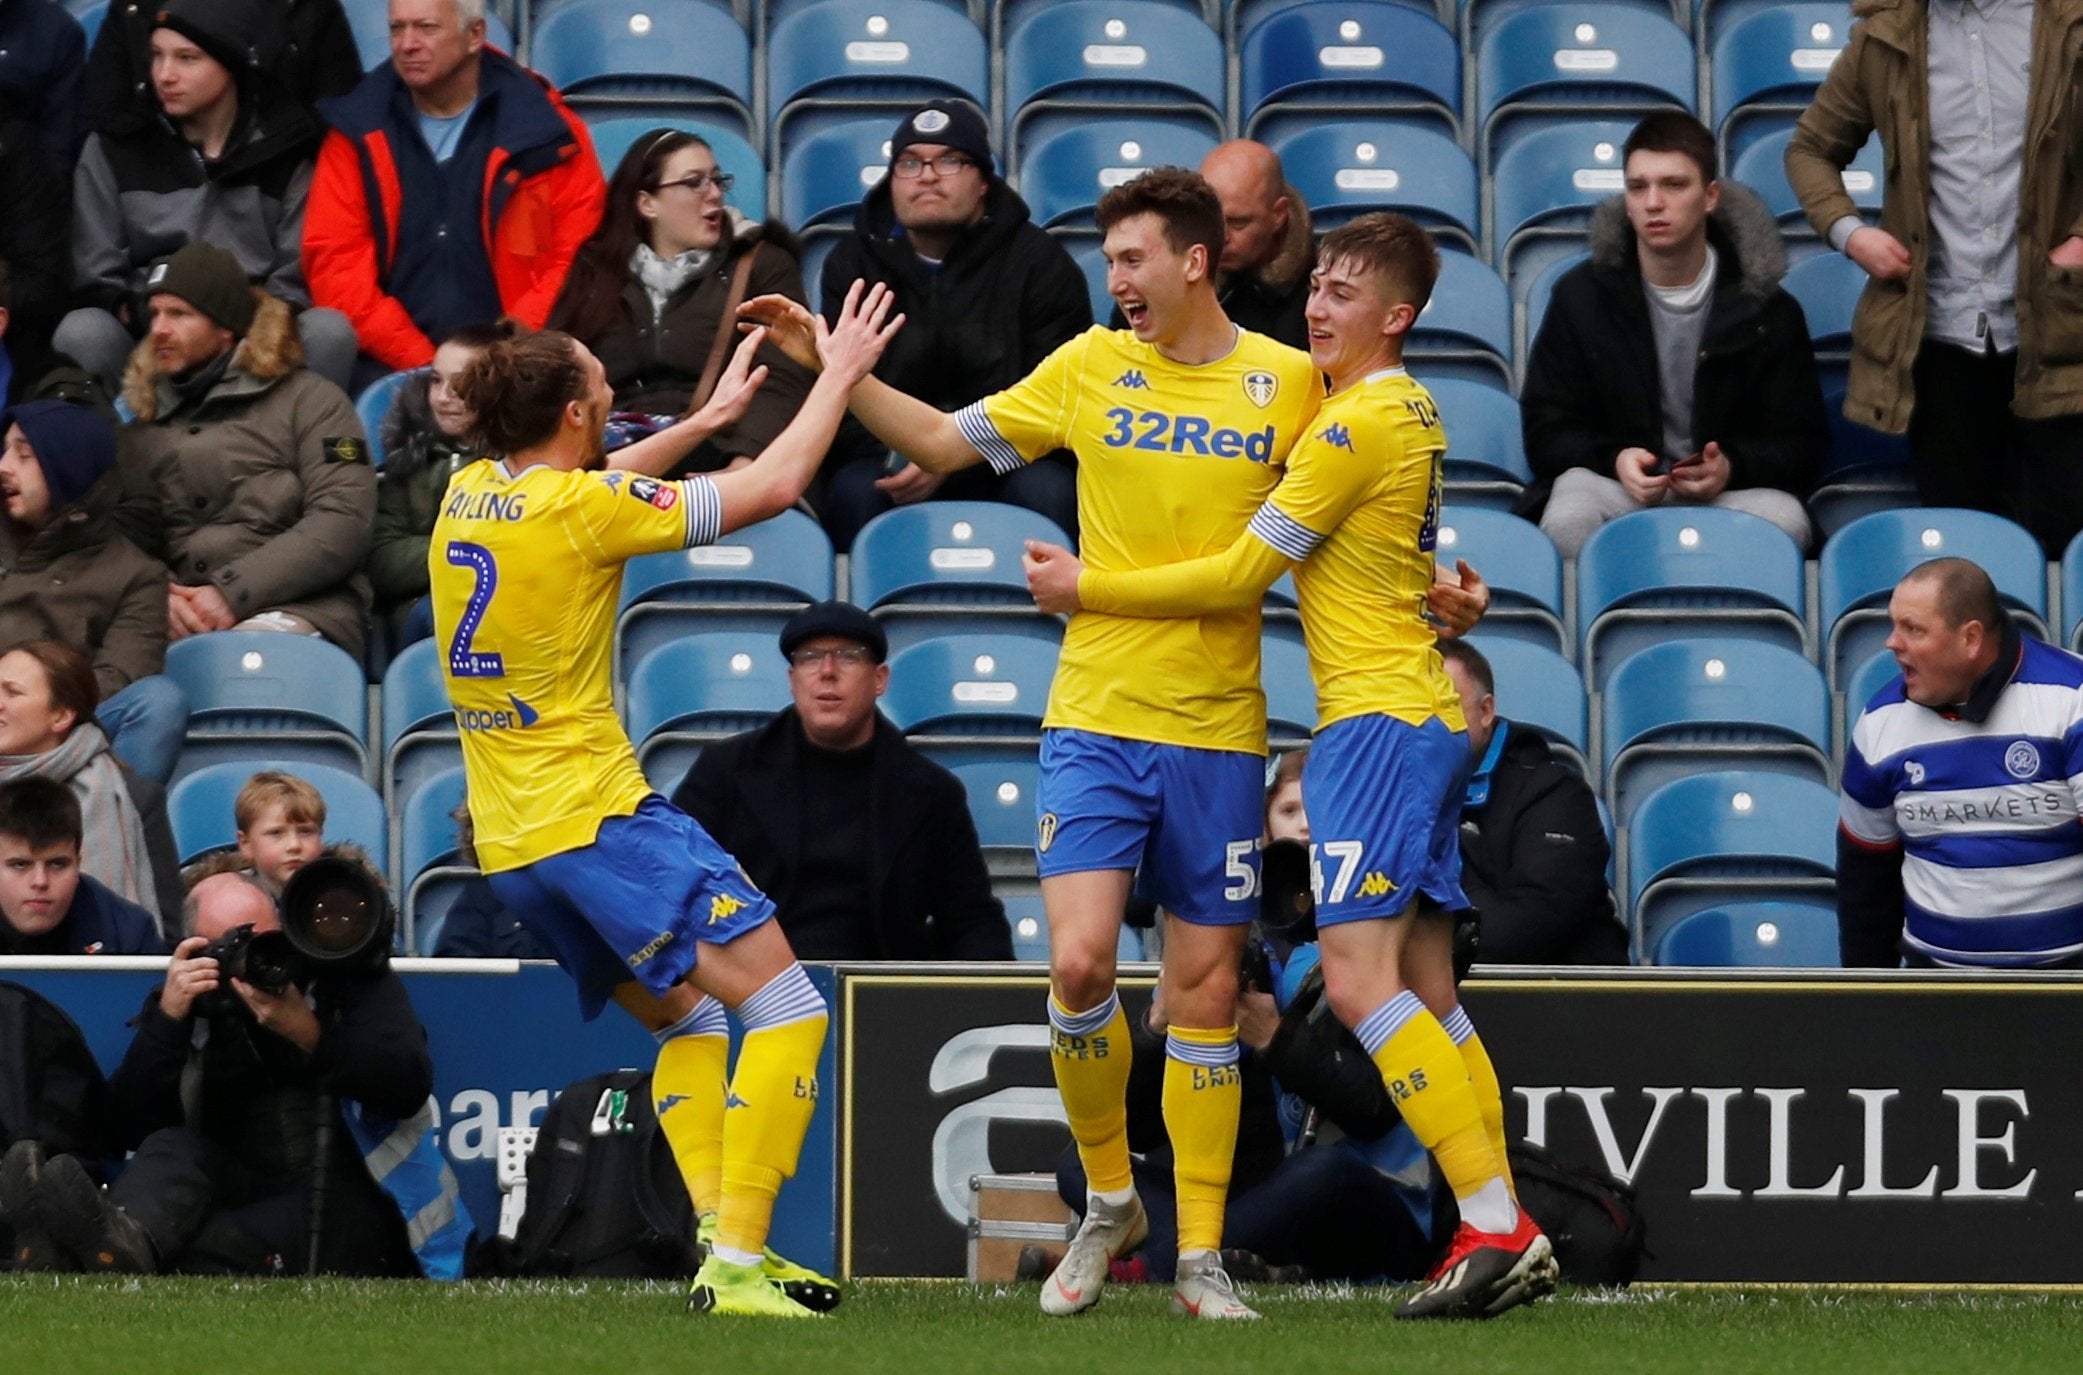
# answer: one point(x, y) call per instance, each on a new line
point(687, 1089)
point(1090, 1053)
point(767, 1110)
point(1429, 1083)
point(1489, 1098)
point(1202, 1093)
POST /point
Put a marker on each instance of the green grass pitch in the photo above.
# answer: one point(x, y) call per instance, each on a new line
point(59, 1325)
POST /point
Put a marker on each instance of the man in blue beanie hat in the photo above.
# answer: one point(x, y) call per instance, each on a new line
point(71, 576)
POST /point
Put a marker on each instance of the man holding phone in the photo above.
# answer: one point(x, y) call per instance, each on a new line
point(1671, 367)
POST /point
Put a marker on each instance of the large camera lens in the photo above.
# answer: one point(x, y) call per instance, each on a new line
point(335, 913)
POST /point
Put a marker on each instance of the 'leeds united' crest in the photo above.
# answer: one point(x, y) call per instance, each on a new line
point(1260, 387)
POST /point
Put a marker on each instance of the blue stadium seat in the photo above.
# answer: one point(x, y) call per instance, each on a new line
point(1478, 17)
point(371, 22)
point(2072, 593)
point(1519, 563)
point(676, 57)
point(89, 15)
point(373, 405)
point(969, 697)
point(257, 694)
point(1556, 62)
point(1827, 285)
point(1866, 471)
point(752, 579)
point(427, 833)
point(1062, 177)
point(419, 725)
point(1001, 803)
point(827, 175)
point(1030, 924)
point(951, 565)
point(1687, 570)
point(1088, 251)
point(1349, 167)
point(1486, 450)
point(1766, 67)
point(839, 59)
point(1542, 190)
point(1530, 304)
point(1365, 58)
point(1465, 330)
point(200, 807)
point(1539, 689)
point(1861, 564)
point(1290, 692)
point(697, 688)
point(1868, 678)
point(1711, 838)
point(1676, 708)
point(1762, 167)
point(614, 135)
point(1754, 935)
point(1067, 61)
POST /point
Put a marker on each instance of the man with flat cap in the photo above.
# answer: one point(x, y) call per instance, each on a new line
point(986, 295)
point(865, 845)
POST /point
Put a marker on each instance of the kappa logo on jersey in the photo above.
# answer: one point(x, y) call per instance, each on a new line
point(1337, 436)
point(723, 906)
point(663, 495)
point(669, 1102)
point(1046, 832)
point(1261, 386)
point(1375, 885)
point(1156, 432)
point(1133, 380)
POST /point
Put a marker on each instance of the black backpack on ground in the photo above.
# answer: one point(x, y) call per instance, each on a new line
point(605, 1197)
point(1598, 1233)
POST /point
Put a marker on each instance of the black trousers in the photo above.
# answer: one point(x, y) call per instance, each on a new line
point(1968, 449)
point(208, 1213)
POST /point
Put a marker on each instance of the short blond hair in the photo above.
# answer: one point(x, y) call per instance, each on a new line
point(299, 801)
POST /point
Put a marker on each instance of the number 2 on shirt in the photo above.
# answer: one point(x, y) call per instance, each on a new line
point(463, 660)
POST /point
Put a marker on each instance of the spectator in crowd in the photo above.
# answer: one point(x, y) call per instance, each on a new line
point(478, 925)
point(986, 296)
point(228, 164)
point(281, 828)
point(67, 573)
point(1969, 334)
point(260, 467)
point(1958, 845)
point(47, 730)
point(491, 187)
point(1671, 366)
point(654, 293)
point(306, 45)
point(42, 53)
point(31, 370)
point(1533, 850)
point(222, 1094)
point(35, 251)
point(1267, 246)
point(865, 845)
point(47, 906)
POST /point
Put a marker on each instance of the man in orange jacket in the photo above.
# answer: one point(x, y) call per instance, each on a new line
point(455, 187)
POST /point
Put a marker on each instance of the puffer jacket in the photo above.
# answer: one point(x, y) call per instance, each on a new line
point(264, 482)
point(80, 580)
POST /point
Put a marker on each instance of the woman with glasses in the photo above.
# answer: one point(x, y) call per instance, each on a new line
point(661, 276)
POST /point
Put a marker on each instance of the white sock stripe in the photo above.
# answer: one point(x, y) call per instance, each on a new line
point(1385, 1021)
point(1084, 1023)
point(707, 1019)
point(788, 997)
point(1198, 1053)
point(1457, 1024)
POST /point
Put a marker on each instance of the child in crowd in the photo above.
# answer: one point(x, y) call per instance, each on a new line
point(281, 821)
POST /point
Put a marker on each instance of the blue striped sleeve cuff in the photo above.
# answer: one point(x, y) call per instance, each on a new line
point(704, 511)
point(976, 427)
point(1286, 534)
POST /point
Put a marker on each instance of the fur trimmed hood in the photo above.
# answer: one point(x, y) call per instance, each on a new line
point(1297, 255)
point(1740, 228)
point(269, 352)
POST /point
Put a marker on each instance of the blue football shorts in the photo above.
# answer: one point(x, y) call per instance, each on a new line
point(1384, 804)
point(634, 904)
point(1188, 819)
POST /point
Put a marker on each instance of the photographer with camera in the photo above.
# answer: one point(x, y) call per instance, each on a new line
point(274, 1072)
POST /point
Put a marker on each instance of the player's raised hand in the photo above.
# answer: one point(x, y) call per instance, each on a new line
point(854, 343)
point(1457, 600)
point(1052, 576)
point(737, 386)
point(789, 325)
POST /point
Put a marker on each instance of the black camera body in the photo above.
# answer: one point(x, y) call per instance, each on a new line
point(264, 959)
point(336, 919)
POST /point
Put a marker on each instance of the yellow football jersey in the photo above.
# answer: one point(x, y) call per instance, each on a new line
point(1172, 461)
point(526, 569)
point(1356, 516)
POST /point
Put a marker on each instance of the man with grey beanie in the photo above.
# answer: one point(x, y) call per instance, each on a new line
point(265, 498)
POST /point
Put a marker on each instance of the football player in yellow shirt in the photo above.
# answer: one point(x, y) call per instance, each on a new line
point(1153, 747)
point(1355, 517)
point(638, 902)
